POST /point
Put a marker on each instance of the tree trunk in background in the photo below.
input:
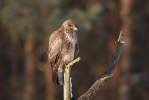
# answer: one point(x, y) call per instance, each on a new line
point(140, 38)
point(112, 38)
point(50, 93)
point(29, 84)
point(14, 71)
point(124, 87)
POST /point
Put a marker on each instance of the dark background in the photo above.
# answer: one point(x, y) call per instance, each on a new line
point(25, 26)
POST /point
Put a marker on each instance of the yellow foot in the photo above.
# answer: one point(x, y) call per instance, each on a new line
point(65, 64)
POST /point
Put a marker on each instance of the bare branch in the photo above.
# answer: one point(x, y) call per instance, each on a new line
point(73, 62)
point(96, 87)
point(67, 92)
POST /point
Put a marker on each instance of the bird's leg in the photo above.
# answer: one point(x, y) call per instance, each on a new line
point(65, 64)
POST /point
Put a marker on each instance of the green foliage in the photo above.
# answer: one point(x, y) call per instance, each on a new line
point(44, 16)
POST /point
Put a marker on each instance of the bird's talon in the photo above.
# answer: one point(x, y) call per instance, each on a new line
point(65, 64)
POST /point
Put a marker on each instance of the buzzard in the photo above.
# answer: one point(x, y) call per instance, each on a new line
point(63, 47)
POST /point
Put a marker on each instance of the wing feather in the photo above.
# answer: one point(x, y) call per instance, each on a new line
point(54, 54)
point(55, 44)
point(76, 49)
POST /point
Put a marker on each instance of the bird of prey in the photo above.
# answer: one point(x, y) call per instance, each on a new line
point(63, 47)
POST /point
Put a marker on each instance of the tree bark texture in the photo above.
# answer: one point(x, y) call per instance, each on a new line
point(96, 87)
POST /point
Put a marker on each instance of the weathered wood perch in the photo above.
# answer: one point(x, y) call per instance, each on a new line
point(96, 87)
point(66, 87)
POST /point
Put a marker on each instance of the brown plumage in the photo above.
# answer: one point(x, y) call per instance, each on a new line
point(63, 46)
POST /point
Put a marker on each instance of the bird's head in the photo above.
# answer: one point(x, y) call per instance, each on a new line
point(69, 26)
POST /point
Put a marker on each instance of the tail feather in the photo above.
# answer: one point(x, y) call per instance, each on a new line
point(57, 76)
point(61, 78)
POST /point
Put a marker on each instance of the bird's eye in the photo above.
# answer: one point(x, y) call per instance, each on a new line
point(70, 25)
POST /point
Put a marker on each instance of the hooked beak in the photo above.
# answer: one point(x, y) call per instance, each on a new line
point(75, 29)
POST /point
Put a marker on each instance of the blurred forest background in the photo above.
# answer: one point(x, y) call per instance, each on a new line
point(25, 26)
